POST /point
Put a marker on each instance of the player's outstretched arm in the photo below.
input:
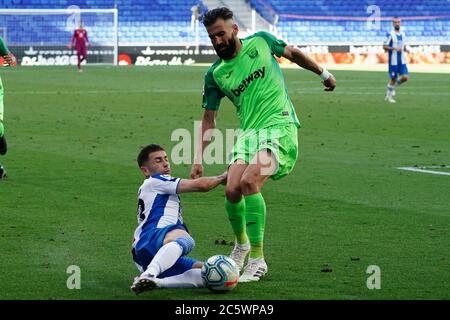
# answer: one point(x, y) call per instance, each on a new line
point(208, 123)
point(302, 60)
point(203, 184)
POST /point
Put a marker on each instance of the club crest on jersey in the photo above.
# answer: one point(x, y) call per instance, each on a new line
point(253, 53)
point(248, 80)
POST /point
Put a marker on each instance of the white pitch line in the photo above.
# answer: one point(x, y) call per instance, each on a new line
point(426, 171)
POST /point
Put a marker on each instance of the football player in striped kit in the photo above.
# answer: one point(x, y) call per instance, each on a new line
point(398, 71)
point(161, 240)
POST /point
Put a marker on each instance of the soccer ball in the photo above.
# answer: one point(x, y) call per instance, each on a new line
point(220, 273)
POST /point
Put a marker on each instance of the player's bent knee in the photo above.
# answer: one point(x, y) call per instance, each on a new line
point(233, 194)
point(174, 234)
point(187, 243)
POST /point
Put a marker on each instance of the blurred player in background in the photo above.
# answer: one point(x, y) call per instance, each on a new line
point(398, 71)
point(249, 75)
point(8, 60)
point(80, 41)
point(161, 240)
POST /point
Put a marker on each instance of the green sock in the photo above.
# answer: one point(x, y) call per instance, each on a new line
point(236, 215)
point(2, 129)
point(256, 220)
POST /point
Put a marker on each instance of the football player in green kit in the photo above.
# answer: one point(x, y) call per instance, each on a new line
point(8, 60)
point(267, 146)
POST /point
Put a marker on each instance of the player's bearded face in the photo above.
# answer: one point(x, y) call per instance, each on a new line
point(227, 48)
point(223, 35)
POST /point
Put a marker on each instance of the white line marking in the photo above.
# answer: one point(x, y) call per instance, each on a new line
point(422, 169)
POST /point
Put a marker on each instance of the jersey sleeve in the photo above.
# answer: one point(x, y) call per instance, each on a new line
point(388, 39)
point(164, 184)
point(275, 45)
point(211, 91)
point(3, 48)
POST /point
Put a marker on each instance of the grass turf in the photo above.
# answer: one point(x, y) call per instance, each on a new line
point(70, 197)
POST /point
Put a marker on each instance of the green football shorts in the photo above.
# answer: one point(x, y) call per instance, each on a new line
point(281, 140)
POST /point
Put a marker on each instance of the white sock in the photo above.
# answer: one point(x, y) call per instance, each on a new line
point(390, 89)
point(166, 257)
point(190, 279)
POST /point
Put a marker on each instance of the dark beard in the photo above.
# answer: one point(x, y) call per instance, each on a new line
point(228, 53)
point(397, 28)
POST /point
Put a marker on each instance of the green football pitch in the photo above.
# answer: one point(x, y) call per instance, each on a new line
point(70, 195)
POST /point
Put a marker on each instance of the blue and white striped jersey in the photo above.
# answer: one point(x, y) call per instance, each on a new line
point(396, 40)
point(158, 205)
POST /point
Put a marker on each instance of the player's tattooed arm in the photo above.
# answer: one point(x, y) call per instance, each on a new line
point(296, 56)
point(205, 132)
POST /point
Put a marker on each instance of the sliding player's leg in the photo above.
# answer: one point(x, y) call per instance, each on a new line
point(186, 273)
point(160, 255)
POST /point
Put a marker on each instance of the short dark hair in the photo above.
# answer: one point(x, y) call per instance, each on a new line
point(211, 16)
point(145, 152)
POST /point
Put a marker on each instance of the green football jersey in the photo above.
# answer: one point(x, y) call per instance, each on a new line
point(254, 82)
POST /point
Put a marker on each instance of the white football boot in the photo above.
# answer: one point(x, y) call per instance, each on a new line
point(389, 98)
point(255, 270)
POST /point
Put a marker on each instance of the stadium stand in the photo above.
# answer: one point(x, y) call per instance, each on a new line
point(300, 22)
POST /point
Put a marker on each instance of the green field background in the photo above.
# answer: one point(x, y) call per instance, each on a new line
point(70, 195)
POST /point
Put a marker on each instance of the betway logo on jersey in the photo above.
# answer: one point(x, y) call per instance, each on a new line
point(249, 79)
